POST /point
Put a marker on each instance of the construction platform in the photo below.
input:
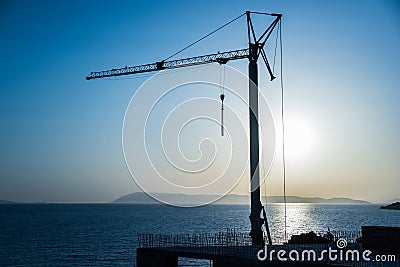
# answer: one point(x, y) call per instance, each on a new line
point(234, 249)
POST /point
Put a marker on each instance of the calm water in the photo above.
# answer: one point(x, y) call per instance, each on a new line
point(106, 234)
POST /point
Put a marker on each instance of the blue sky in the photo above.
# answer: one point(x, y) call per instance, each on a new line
point(61, 135)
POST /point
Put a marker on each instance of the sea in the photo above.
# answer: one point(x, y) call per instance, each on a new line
point(107, 234)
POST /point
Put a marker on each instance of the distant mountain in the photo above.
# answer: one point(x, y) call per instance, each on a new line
point(394, 200)
point(143, 198)
point(7, 202)
point(335, 200)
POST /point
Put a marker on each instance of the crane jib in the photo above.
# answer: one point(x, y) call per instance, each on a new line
point(220, 57)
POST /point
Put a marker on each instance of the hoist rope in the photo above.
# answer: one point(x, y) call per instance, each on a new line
point(205, 36)
point(283, 129)
point(265, 191)
point(222, 118)
point(220, 79)
point(222, 94)
point(279, 35)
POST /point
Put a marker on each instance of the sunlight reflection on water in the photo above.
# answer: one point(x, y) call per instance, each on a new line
point(103, 234)
point(299, 218)
point(303, 217)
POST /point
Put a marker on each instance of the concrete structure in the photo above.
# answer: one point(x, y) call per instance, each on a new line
point(158, 257)
point(233, 249)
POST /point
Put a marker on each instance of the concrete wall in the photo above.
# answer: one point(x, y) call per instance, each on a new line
point(154, 258)
point(147, 257)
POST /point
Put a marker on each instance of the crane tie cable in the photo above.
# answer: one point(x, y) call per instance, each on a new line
point(204, 37)
point(276, 46)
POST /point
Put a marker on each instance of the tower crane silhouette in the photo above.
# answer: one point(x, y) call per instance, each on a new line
point(252, 53)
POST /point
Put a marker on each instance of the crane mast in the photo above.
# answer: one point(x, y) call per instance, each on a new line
point(252, 53)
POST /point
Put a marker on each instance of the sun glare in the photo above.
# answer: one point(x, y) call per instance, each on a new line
point(299, 138)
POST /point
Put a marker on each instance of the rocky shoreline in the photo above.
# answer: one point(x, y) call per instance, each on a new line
point(393, 206)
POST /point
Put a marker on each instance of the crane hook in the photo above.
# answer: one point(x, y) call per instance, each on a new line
point(222, 97)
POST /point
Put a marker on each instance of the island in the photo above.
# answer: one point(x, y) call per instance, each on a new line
point(393, 206)
point(143, 198)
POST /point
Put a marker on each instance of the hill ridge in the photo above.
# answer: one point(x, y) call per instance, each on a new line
point(143, 198)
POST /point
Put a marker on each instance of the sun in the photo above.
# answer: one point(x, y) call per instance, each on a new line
point(300, 138)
